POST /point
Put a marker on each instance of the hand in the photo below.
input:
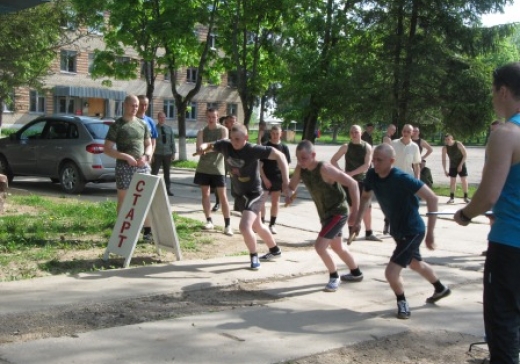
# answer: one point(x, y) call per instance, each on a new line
point(267, 183)
point(459, 168)
point(459, 220)
point(131, 161)
point(430, 241)
point(446, 173)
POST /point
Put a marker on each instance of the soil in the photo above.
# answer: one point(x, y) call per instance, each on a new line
point(416, 347)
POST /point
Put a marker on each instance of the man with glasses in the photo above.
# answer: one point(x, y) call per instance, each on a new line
point(164, 150)
point(407, 155)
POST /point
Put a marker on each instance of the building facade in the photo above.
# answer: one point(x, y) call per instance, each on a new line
point(70, 89)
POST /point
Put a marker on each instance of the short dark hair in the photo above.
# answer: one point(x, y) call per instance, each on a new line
point(369, 125)
point(496, 122)
point(508, 76)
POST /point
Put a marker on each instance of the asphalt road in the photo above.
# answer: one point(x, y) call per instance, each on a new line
point(99, 191)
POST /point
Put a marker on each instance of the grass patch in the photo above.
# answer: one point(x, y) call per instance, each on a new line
point(42, 235)
point(442, 190)
point(185, 164)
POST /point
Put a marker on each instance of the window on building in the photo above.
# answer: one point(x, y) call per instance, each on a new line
point(191, 113)
point(68, 21)
point(169, 109)
point(232, 109)
point(212, 105)
point(191, 74)
point(91, 57)
point(212, 41)
point(232, 79)
point(65, 105)
point(36, 102)
point(68, 60)
point(97, 26)
point(118, 108)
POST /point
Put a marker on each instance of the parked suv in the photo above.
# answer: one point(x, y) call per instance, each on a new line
point(68, 149)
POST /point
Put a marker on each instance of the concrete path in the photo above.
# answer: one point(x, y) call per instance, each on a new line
point(305, 322)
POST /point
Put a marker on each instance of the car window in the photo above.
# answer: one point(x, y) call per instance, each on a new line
point(34, 131)
point(57, 130)
point(98, 130)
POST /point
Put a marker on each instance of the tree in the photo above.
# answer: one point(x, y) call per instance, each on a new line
point(249, 34)
point(165, 34)
point(30, 39)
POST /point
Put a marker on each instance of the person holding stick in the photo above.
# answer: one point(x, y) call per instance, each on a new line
point(396, 192)
point(325, 184)
point(499, 190)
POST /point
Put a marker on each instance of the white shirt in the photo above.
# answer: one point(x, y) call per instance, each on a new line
point(406, 155)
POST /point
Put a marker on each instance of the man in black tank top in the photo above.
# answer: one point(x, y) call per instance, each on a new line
point(457, 155)
point(358, 156)
point(421, 143)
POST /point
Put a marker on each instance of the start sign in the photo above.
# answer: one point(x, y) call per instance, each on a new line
point(146, 196)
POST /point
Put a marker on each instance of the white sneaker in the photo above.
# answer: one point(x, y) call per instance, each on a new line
point(209, 226)
point(228, 231)
point(272, 229)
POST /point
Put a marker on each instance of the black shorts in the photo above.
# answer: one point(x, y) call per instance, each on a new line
point(452, 172)
point(361, 186)
point(250, 202)
point(333, 226)
point(212, 180)
point(407, 249)
point(276, 183)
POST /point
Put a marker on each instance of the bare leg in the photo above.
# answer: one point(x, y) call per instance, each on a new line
point(321, 246)
point(367, 218)
point(393, 276)
point(246, 228)
point(222, 194)
point(206, 203)
point(264, 233)
point(464, 183)
point(120, 198)
point(453, 182)
point(342, 251)
point(275, 202)
point(424, 269)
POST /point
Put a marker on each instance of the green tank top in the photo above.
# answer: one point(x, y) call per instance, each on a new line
point(211, 163)
point(355, 157)
point(329, 198)
point(454, 155)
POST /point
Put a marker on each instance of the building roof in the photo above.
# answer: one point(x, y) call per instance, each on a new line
point(8, 6)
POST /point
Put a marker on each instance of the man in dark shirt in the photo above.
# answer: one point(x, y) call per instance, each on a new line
point(367, 134)
point(165, 151)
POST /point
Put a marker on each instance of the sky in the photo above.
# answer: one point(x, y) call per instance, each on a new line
point(511, 15)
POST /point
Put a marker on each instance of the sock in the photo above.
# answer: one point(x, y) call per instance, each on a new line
point(334, 275)
point(439, 287)
point(227, 221)
point(400, 297)
point(356, 272)
point(147, 230)
point(275, 249)
point(452, 195)
point(368, 232)
point(208, 219)
point(273, 221)
point(253, 255)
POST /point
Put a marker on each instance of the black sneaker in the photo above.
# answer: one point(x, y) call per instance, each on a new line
point(439, 295)
point(386, 228)
point(271, 256)
point(351, 278)
point(216, 207)
point(403, 310)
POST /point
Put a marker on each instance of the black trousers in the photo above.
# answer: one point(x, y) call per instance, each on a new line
point(163, 161)
point(502, 303)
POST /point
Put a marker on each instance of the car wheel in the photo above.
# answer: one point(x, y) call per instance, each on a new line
point(71, 179)
point(5, 169)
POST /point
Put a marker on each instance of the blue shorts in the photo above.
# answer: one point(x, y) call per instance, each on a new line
point(333, 226)
point(407, 249)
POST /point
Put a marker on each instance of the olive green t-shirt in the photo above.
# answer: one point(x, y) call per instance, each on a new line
point(355, 158)
point(129, 136)
point(454, 154)
point(211, 163)
point(329, 198)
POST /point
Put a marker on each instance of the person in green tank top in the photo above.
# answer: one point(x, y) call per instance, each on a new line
point(456, 153)
point(358, 156)
point(324, 182)
point(210, 170)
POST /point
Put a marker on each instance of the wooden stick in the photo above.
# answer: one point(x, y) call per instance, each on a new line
point(353, 235)
point(209, 148)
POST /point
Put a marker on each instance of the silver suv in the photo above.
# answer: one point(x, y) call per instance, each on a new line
point(68, 149)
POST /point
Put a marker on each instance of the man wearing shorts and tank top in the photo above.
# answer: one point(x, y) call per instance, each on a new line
point(210, 170)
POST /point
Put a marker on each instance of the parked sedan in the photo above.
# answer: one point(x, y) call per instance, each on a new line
point(68, 149)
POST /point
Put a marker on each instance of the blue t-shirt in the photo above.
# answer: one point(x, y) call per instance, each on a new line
point(151, 126)
point(396, 196)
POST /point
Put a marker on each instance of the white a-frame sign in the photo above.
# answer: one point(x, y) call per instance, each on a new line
point(145, 196)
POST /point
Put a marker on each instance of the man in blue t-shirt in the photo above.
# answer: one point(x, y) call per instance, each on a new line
point(396, 193)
